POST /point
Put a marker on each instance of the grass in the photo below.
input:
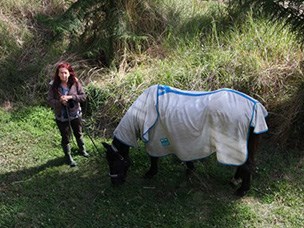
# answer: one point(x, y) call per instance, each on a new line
point(39, 190)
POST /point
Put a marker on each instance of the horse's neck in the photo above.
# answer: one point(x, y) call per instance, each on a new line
point(120, 146)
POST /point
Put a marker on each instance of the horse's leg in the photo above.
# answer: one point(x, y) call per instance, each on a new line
point(237, 179)
point(244, 174)
point(153, 168)
point(190, 168)
point(245, 171)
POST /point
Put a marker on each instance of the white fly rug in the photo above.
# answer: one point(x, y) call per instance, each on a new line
point(193, 124)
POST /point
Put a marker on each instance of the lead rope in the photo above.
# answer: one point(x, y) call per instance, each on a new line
point(97, 151)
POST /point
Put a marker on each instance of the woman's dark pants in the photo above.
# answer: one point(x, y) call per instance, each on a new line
point(65, 132)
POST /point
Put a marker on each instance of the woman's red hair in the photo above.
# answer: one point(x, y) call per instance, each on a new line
point(72, 79)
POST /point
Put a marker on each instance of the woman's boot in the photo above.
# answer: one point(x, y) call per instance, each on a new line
point(69, 159)
point(81, 147)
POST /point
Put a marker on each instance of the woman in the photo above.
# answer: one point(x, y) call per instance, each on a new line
point(65, 95)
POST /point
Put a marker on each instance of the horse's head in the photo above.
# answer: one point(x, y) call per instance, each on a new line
point(119, 162)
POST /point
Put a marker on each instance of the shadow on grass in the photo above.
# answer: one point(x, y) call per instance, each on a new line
point(55, 195)
point(26, 174)
point(278, 170)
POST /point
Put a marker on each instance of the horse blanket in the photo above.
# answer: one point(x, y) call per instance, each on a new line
point(193, 124)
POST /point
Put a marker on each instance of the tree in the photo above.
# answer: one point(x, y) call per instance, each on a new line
point(107, 29)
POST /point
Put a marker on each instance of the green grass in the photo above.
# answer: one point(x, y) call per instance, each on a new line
point(39, 190)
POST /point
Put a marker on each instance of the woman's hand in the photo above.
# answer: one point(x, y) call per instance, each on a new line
point(65, 98)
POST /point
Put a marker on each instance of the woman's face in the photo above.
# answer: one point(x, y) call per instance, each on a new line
point(64, 74)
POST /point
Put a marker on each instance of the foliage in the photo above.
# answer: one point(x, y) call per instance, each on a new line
point(100, 29)
point(97, 121)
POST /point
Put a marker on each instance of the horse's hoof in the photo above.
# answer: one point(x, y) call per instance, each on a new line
point(235, 182)
point(149, 175)
point(116, 183)
point(189, 172)
point(240, 192)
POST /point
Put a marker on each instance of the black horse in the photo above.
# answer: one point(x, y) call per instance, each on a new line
point(165, 128)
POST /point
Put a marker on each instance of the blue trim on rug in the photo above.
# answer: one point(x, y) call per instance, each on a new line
point(164, 89)
point(145, 140)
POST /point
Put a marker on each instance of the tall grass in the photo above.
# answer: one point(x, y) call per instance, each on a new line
point(24, 48)
point(240, 58)
point(32, 6)
point(13, 31)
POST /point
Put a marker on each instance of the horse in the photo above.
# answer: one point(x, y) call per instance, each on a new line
point(191, 125)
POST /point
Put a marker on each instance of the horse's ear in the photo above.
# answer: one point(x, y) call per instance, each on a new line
point(106, 145)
